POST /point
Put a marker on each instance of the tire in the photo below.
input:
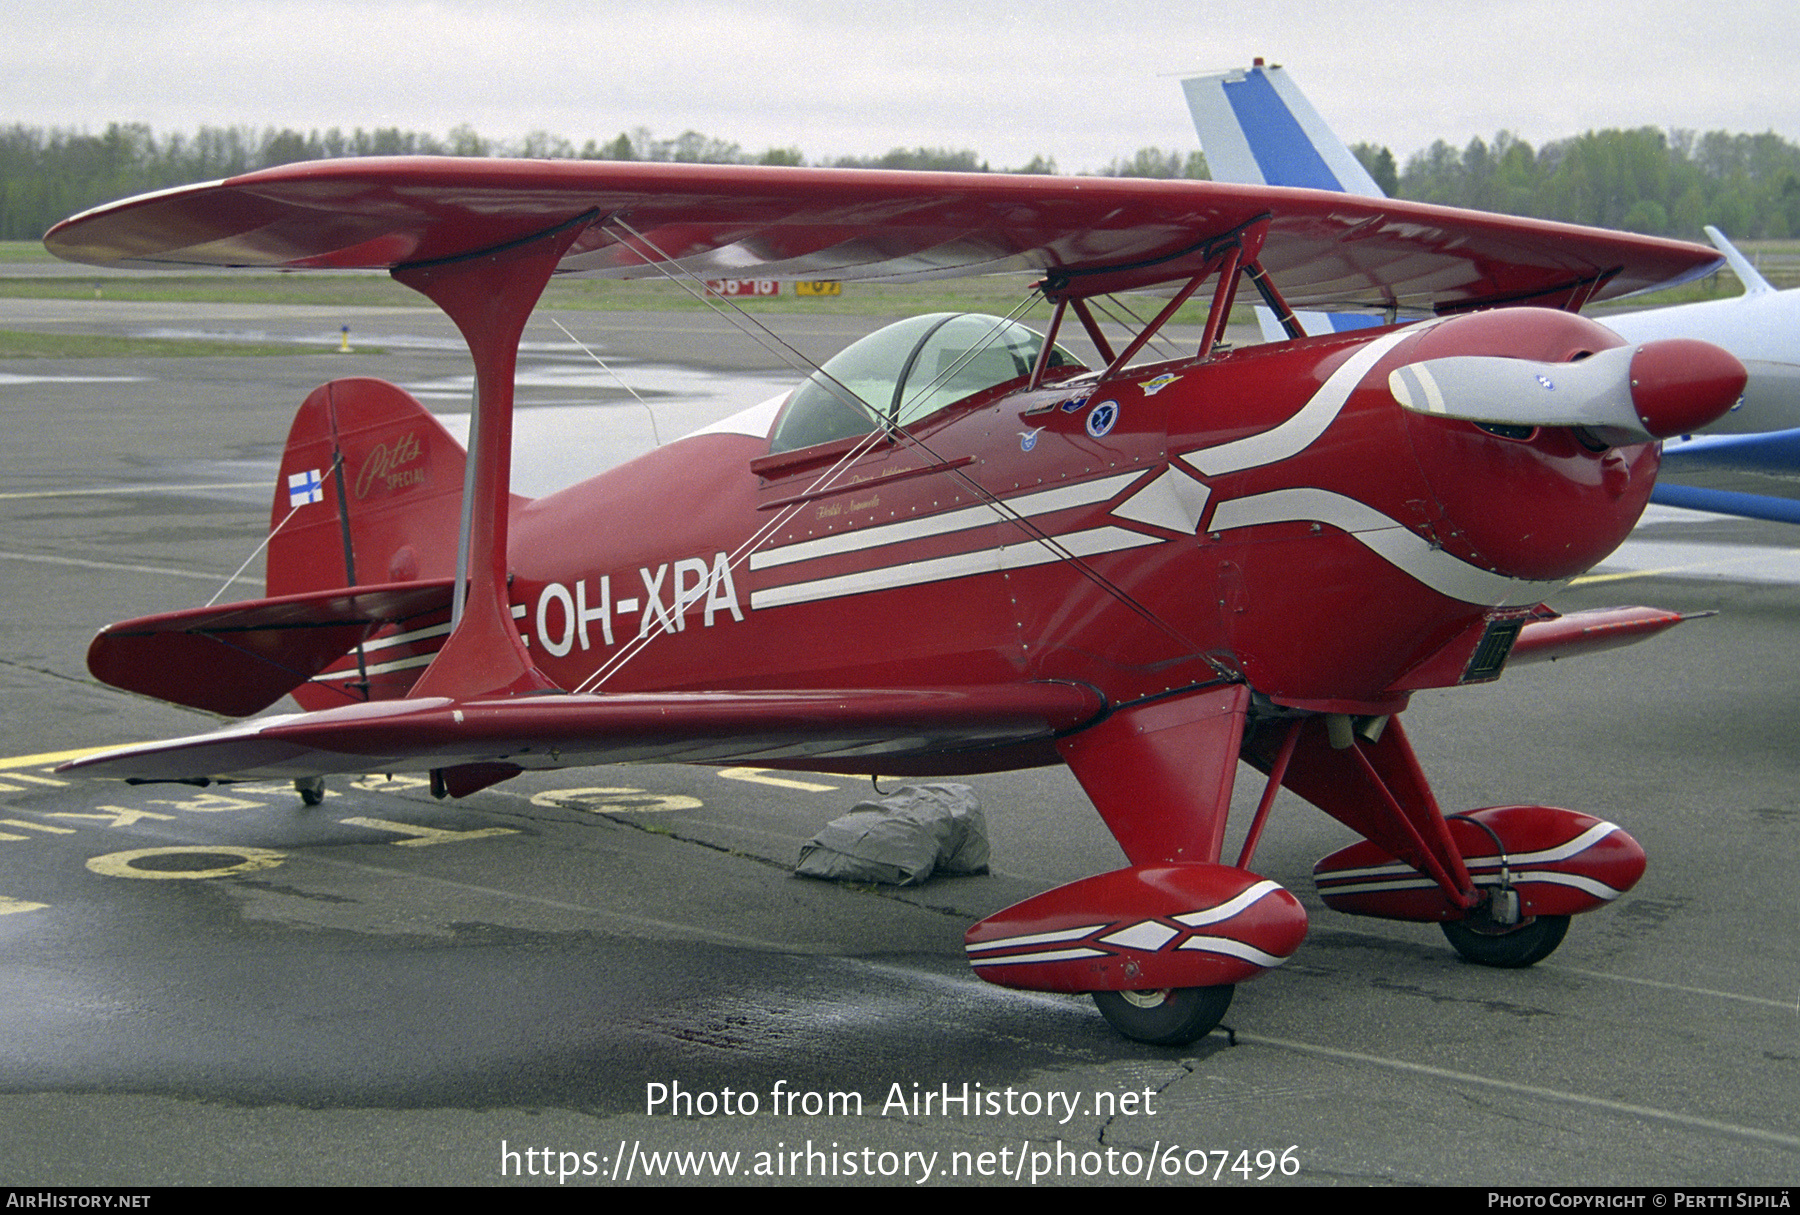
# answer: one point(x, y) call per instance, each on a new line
point(1529, 943)
point(1171, 1017)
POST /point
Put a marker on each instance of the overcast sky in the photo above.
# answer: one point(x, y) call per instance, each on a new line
point(1082, 82)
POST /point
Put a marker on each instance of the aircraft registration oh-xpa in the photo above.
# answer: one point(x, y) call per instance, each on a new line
point(954, 548)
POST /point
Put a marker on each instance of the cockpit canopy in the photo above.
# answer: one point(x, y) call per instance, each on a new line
point(905, 371)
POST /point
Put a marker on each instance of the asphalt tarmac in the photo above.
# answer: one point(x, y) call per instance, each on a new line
point(602, 975)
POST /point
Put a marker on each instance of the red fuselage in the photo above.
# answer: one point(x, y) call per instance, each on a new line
point(1271, 513)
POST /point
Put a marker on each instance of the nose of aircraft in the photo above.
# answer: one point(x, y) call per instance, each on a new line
point(1628, 394)
point(1679, 385)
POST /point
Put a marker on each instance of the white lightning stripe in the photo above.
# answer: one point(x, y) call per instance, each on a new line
point(1231, 948)
point(1224, 911)
point(1545, 856)
point(436, 630)
point(1040, 502)
point(1598, 889)
point(1146, 935)
point(1298, 433)
point(1037, 938)
point(1054, 955)
point(379, 668)
point(960, 565)
point(403, 664)
point(1369, 886)
point(1399, 546)
point(1562, 852)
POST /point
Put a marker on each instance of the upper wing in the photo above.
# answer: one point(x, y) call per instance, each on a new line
point(750, 221)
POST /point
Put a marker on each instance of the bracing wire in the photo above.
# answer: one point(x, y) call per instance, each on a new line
point(886, 430)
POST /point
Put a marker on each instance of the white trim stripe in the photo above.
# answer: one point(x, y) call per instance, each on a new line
point(1232, 949)
point(1229, 908)
point(1038, 502)
point(403, 664)
point(1543, 877)
point(1300, 431)
point(1054, 955)
point(1088, 543)
point(1544, 856)
point(1038, 938)
point(1399, 546)
point(1146, 935)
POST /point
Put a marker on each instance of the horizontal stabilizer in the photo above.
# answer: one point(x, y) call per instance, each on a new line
point(559, 731)
point(240, 658)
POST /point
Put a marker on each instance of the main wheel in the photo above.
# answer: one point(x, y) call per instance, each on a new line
point(1530, 942)
point(1174, 1016)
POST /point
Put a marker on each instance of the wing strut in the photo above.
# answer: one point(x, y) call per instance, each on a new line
point(489, 295)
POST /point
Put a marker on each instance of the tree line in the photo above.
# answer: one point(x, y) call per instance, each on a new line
point(1643, 180)
point(1666, 183)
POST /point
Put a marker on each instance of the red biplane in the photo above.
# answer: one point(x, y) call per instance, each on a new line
point(956, 549)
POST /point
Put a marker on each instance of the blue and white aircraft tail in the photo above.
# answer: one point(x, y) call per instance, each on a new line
point(1256, 127)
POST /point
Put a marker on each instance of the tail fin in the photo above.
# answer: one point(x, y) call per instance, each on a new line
point(368, 492)
point(367, 498)
point(1258, 129)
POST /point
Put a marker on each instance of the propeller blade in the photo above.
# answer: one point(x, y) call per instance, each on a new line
point(1629, 394)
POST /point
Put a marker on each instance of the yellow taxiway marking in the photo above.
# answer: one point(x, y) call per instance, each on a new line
point(45, 827)
point(124, 864)
point(423, 837)
point(52, 757)
point(8, 906)
point(1665, 571)
point(760, 776)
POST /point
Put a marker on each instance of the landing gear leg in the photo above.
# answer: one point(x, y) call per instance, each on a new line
point(1170, 1017)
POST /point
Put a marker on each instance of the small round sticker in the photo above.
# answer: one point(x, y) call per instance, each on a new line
point(1101, 418)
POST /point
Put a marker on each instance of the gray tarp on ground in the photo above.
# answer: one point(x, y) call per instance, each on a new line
point(902, 839)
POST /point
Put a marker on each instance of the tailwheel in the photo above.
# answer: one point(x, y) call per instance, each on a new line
point(1173, 1016)
point(311, 789)
point(1488, 944)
